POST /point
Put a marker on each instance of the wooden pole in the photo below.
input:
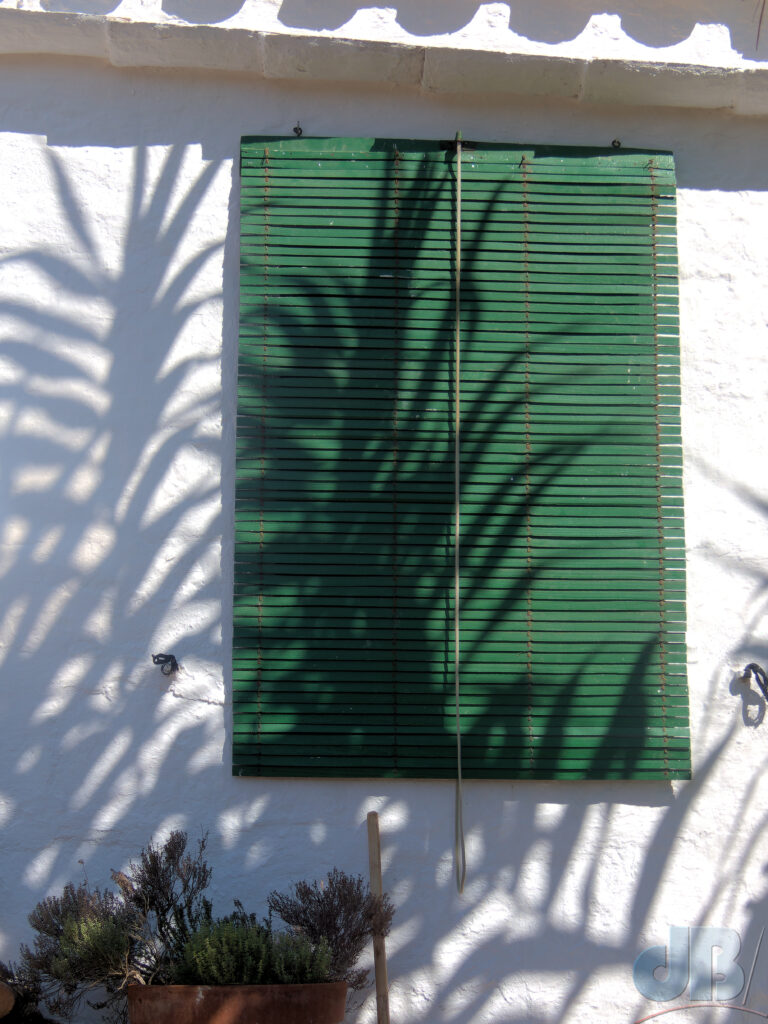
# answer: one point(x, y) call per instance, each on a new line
point(379, 952)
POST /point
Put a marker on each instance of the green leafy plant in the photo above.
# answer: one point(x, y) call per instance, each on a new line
point(240, 950)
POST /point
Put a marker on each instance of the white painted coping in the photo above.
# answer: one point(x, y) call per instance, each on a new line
point(431, 69)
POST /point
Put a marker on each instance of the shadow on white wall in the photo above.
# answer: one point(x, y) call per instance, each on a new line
point(653, 23)
point(111, 551)
point(81, 6)
point(112, 405)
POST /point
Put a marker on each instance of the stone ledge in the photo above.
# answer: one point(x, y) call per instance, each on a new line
point(430, 69)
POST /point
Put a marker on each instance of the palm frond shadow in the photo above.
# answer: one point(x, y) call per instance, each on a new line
point(128, 514)
point(334, 349)
point(585, 842)
point(105, 605)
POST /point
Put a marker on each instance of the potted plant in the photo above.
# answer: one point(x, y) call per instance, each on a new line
point(238, 970)
point(155, 953)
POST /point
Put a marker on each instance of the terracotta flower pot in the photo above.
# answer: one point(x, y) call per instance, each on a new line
point(237, 1004)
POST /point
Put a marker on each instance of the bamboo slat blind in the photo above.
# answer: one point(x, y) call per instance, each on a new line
point(572, 560)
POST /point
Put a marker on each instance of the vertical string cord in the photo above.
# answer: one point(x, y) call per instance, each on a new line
point(460, 856)
point(657, 330)
point(262, 469)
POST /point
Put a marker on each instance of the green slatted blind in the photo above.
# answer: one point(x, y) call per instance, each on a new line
point(572, 562)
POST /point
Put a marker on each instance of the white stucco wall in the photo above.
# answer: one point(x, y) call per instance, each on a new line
point(118, 310)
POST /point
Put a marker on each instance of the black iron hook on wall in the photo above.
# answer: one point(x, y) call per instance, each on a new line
point(761, 678)
point(167, 662)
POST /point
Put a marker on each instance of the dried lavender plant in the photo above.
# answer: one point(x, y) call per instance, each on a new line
point(165, 889)
point(83, 942)
point(342, 911)
point(88, 939)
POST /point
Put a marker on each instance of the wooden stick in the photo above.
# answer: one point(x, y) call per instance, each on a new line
point(379, 952)
point(7, 999)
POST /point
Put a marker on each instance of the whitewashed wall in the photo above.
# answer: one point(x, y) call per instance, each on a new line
point(713, 32)
point(118, 317)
